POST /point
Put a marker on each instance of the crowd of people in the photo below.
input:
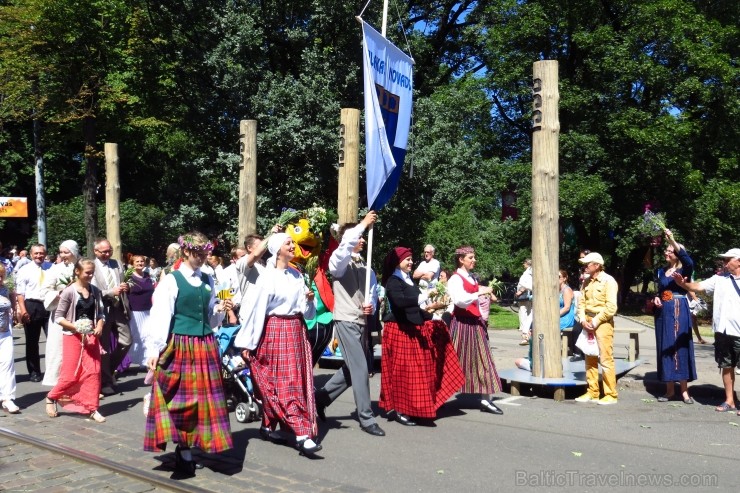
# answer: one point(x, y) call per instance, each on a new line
point(100, 317)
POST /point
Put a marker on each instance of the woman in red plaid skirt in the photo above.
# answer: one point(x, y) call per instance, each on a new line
point(188, 406)
point(469, 332)
point(275, 343)
point(420, 366)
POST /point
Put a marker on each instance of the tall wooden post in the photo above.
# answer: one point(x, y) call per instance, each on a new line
point(348, 200)
point(247, 179)
point(112, 200)
point(547, 357)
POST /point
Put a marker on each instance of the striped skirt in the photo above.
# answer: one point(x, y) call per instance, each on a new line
point(187, 403)
point(470, 339)
point(420, 369)
point(283, 374)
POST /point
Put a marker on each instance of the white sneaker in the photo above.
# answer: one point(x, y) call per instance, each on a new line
point(737, 371)
point(10, 407)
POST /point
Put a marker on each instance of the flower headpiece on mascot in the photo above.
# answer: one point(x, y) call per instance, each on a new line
point(306, 228)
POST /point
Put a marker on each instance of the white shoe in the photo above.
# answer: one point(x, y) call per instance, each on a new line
point(97, 417)
point(737, 371)
point(10, 407)
point(147, 401)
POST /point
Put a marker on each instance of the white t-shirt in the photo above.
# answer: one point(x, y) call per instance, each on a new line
point(726, 303)
point(431, 266)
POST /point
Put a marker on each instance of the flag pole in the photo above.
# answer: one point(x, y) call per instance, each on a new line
point(371, 229)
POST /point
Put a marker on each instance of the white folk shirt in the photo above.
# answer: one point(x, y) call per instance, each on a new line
point(457, 292)
point(726, 303)
point(157, 327)
point(277, 292)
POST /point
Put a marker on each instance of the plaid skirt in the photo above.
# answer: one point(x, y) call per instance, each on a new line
point(188, 404)
point(420, 369)
point(283, 374)
point(470, 338)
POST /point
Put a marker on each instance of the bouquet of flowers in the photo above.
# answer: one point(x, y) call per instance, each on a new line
point(497, 287)
point(652, 224)
point(288, 216)
point(317, 218)
point(84, 326)
point(127, 276)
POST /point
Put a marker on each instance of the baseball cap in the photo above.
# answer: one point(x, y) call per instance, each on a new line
point(731, 253)
point(592, 257)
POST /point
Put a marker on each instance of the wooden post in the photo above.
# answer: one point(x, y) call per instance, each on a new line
point(348, 200)
point(247, 179)
point(545, 216)
point(112, 199)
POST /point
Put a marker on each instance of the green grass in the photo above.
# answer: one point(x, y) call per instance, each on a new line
point(502, 318)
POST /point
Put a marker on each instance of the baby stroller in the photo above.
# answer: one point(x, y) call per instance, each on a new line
point(236, 376)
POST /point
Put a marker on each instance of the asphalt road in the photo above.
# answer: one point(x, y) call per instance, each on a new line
point(636, 445)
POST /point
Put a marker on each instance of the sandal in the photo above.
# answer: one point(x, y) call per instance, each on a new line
point(724, 407)
point(97, 417)
point(51, 411)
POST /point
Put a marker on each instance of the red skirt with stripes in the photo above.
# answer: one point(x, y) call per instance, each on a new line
point(420, 369)
point(283, 373)
point(470, 338)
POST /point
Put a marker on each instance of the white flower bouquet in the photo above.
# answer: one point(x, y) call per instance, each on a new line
point(84, 326)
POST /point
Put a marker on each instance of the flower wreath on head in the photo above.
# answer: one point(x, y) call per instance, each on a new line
point(188, 241)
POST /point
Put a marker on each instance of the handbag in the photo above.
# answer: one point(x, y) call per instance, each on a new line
point(525, 296)
point(586, 342)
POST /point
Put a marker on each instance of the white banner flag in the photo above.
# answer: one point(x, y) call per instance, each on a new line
point(388, 89)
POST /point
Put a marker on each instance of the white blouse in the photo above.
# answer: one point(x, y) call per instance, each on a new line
point(157, 327)
point(457, 292)
point(277, 292)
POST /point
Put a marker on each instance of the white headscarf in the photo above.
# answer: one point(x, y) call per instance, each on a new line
point(73, 248)
point(273, 246)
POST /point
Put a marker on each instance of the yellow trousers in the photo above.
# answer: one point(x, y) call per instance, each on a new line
point(605, 339)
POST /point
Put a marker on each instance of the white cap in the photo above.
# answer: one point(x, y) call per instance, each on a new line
point(592, 257)
point(731, 253)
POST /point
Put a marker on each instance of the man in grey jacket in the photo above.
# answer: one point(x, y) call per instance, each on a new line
point(350, 311)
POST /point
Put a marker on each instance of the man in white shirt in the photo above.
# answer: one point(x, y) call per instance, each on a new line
point(31, 311)
point(429, 268)
point(725, 289)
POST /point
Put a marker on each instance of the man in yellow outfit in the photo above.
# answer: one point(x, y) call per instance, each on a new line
point(596, 309)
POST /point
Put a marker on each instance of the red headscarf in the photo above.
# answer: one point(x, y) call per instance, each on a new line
point(394, 257)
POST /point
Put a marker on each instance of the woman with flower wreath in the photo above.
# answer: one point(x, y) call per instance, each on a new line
point(674, 343)
point(274, 339)
point(80, 315)
point(187, 406)
point(469, 333)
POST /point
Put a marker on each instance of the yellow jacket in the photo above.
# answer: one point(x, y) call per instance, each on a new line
point(598, 299)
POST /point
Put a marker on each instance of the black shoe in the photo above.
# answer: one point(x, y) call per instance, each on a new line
point(304, 450)
point(273, 436)
point(108, 390)
point(35, 377)
point(321, 412)
point(404, 420)
point(373, 429)
point(490, 407)
point(185, 467)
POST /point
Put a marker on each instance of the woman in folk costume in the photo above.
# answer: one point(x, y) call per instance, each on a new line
point(55, 280)
point(420, 369)
point(469, 333)
point(275, 343)
point(188, 406)
point(80, 315)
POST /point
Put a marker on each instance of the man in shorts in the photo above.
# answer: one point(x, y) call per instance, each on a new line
point(725, 289)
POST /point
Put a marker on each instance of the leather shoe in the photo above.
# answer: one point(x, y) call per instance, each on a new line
point(490, 407)
point(321, 412)
point(273, 436)
point(305, 450)
point(35, 377)
point(108, 390)
point(374, 430)
point(404, 420)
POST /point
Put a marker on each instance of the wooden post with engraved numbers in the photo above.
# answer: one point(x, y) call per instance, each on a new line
point(546, 355)
point(247, 179)
point(112, 201)
point(348, 198)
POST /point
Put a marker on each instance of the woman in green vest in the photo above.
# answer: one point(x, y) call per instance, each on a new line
point(188, 406)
